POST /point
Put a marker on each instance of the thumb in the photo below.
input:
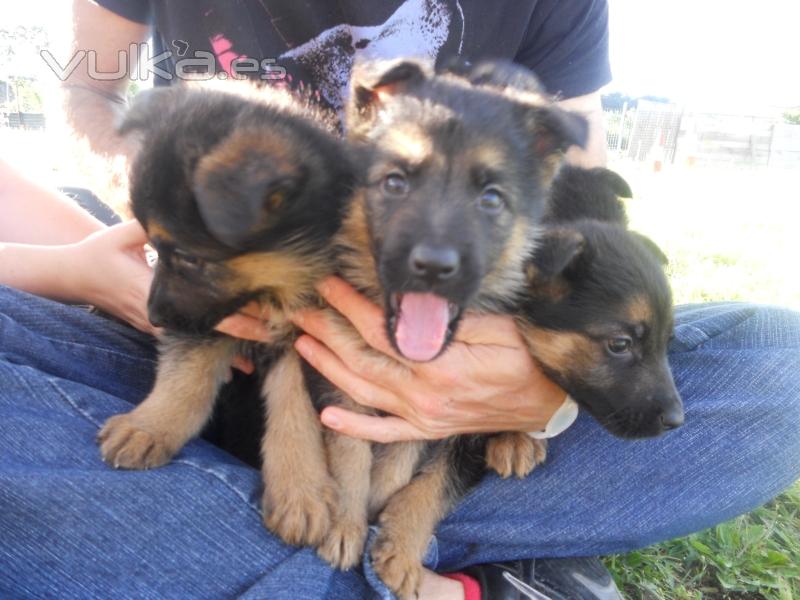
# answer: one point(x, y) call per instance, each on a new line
point(129, 234)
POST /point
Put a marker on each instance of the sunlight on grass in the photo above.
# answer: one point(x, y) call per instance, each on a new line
point(730, 235)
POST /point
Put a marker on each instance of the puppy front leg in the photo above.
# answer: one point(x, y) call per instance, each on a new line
point(408, 522)
point(393, 466)
point(299, 494)
point(190, 373)
point(349, 460)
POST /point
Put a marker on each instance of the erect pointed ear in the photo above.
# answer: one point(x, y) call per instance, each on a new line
point(555, 129)
point(371, 82)
point(652, 247)
point(146, 109)
point(238, 192)
point(558, 251)
point(615, 182)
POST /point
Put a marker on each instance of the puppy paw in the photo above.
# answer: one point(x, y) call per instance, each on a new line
point(514, 453)
point(125, 445)
point(344, 544)
point(397, 566)
point(300, 516)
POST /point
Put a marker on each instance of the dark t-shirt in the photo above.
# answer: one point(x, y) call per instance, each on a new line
point(313, 43)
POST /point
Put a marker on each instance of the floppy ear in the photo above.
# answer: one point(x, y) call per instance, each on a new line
point(558, 252)
point(555, 130)
point(373, 81)
point(146, 108)
point(237, 199)
point(652, 247)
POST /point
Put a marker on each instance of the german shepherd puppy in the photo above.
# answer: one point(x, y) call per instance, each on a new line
point(598, 313)
point(241, 192)
point(454, 193)
point(597, 316)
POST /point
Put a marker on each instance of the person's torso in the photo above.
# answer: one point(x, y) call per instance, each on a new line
point(312, 44)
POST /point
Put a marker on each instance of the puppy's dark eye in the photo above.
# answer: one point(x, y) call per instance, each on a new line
point(187, 261)
point(395, 184)
point(491, 201)
point(619, 345)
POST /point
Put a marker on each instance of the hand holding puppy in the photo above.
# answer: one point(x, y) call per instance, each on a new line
point(485, 381)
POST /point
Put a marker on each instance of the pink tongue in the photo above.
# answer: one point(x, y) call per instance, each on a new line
point(422, 326)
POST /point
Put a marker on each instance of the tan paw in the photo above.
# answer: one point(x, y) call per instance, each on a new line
point(397, 566)
point(125, 445)
point(514, 453)
point(301, 517)
point(344, 544)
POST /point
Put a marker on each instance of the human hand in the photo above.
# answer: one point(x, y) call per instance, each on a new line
point(486, 381)
point(249, 323)
point(110, 271)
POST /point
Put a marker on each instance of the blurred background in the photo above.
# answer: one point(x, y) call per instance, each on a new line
point(703, 120)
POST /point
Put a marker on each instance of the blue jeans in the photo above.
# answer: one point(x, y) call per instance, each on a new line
point(71, 527)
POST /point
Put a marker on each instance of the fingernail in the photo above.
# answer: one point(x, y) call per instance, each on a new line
point(330, 420)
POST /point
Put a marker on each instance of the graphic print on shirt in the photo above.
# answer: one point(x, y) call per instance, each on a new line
point(318, 49)
point(422, 25)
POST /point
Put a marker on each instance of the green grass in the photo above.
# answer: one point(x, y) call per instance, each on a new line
point(753, 556)
point(730, 235)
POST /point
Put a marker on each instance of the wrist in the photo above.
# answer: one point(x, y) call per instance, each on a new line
point(561, 420)
point(549, 397)
point(72, 275)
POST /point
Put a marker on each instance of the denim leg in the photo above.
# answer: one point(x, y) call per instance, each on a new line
point(737, 367)
point(70, 343)
point(71, 527)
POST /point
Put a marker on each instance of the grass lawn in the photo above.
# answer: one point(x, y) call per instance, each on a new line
point(731, 234)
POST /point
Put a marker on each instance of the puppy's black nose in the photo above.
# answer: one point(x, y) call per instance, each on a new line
point(672, 417)
point(434, 262)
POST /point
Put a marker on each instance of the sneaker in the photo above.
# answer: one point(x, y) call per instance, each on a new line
point(546, 579)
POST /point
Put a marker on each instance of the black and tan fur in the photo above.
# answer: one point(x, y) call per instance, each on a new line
point(455, 148)
point(240, 191)
point(597, 315)
point(618, 290)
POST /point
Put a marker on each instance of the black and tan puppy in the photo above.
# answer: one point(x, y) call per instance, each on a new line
point(240, 192)
point(457, 178)
point(597, 316)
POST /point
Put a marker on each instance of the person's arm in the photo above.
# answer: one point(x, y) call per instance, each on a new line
point(32, 214)
point(92, 107)
point(594, 154)
point(566, 46)
point(51, 247)
point(107, 269)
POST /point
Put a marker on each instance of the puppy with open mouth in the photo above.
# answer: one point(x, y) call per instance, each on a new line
point(454, 191)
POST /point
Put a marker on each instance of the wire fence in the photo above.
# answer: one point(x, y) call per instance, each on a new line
point(667, 134)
